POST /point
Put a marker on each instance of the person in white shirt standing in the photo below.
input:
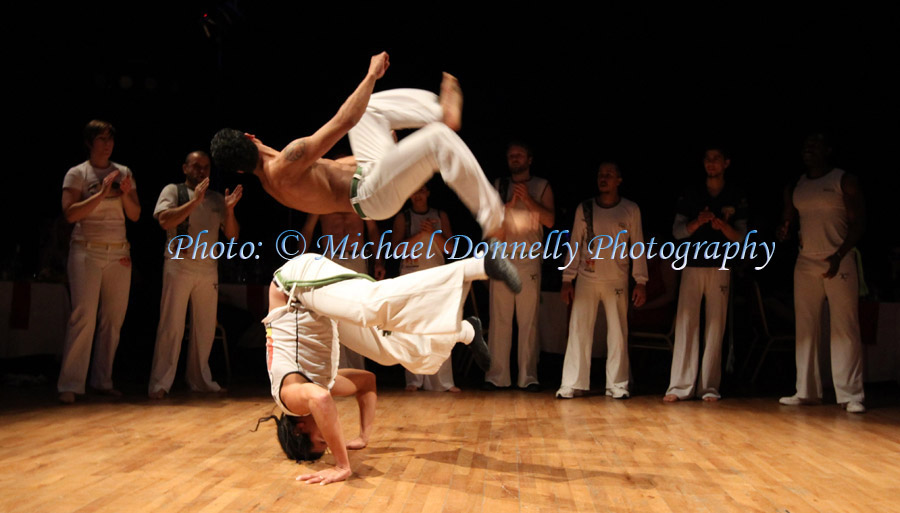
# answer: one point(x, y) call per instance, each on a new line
point(97, 196)
point(529, 208)
point(602, 277)
point(191, 209)
point(831, 209)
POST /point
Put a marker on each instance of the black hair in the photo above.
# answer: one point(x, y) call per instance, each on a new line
point(297, 447)
point(96, 127)
point(232, 151)
point(716, 146)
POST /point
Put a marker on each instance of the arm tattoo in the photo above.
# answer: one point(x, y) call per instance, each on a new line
point(295, 150)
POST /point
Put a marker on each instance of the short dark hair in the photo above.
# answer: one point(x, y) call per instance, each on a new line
point(296, 447)
point(716, 146)
point(232, 151)
point(610, 163)
point(519, 144)
point(96, 127)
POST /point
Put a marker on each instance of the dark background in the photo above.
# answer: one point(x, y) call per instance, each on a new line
point(648, 88)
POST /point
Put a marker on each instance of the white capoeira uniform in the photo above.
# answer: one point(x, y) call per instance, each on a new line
point(417, 311)
point(389, 173)
point(522, 225)
point(99, 270)
point(823, 228)
point(188, 278)
point(349, 358)
point(443, 379)
point(703, 278)
point(603, 279)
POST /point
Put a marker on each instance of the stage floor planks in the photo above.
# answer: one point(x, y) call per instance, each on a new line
point(488, 452)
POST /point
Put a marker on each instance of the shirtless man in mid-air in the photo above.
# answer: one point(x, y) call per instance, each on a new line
point(376, 181)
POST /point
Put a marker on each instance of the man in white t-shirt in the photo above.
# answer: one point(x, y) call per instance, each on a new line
point(97, 196)
point(190, 209)
point(602, 277)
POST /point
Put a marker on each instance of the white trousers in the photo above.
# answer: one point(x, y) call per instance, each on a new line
point(442, 380)
point(525, 305)
point(349, 358)
point(419, 354)
point(697, 283)
point(394, 171)
point(425, 303)
point(98, 278)
point(810, 292)
point(179, 286)
point(577, 363)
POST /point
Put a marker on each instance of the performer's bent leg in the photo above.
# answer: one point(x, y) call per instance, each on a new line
point(419, 354)
point(406, 166)
point(427, 302)
point(395, 109)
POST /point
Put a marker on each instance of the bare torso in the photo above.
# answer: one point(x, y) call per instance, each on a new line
point(322, 188)
point(340, 224)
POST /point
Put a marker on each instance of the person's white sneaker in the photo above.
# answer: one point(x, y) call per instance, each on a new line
point(793, 400)
point(855, 407)
point(617, 393)
point(565, 393)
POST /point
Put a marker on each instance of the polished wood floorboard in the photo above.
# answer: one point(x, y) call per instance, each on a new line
point(490, 452)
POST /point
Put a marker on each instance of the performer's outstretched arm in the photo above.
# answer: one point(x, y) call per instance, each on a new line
point(309, 149)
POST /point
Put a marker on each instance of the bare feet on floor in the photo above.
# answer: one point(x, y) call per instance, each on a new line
point(157, 395)
point(111, 392)
point(670, 398)
point(67, 397)
point(411, 388)
point(711, 399)
point(454, 389)
point(451, 101)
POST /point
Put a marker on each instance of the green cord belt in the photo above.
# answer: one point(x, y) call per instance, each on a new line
point(288, 284)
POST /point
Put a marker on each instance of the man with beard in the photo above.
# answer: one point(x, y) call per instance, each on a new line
point(529, 208)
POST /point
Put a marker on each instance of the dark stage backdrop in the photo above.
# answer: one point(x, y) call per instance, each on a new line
point(647, 88)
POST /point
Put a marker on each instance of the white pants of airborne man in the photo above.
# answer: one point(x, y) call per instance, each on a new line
point(577, 364)
point(697, 283)
point(842, 292)
point(392, 172)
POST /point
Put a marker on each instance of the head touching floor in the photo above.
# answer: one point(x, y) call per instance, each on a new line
point(234, 152)
point(296, 444)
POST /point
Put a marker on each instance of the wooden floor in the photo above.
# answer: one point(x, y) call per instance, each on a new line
point(489, 452)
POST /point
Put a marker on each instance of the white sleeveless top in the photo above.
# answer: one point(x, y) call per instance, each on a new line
point(823, 215)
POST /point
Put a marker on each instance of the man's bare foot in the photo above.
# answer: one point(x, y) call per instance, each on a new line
point(67, 397)
point(670, 398)
point(111, 392)
point(157, 395)
point(710, 398)
point(357, 444)
point(454, 389)
point(451, 101)
point(411, 388)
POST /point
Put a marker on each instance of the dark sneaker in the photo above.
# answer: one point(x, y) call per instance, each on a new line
point(498, 268)
point(478, 346)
